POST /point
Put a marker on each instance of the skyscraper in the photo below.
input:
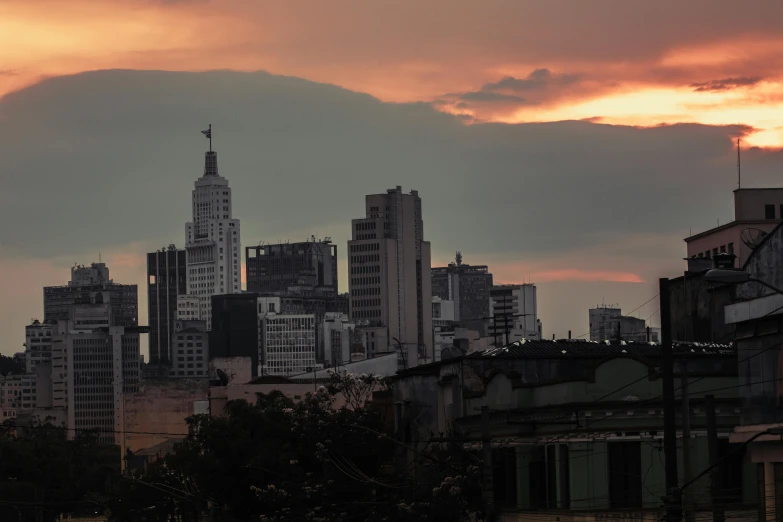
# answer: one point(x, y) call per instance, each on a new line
point(166, 280)
point(87, 285)
point(308, 268)
point(213, 240)
point(468, 286)
point(389, 273)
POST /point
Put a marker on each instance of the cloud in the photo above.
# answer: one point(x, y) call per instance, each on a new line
point(483, 96)
point(105, 161)
point(536, 80)
point(725, 84)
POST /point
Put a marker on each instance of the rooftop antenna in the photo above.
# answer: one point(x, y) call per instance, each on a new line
point(739, 172)
point(99, 257)
point(208, 134)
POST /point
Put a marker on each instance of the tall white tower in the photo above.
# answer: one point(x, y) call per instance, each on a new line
point(212, 242)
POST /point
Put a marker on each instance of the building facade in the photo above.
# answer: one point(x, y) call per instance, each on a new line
point(308, 267)
point(188, 308)
point(93, 366)
point(390, 273)
point(513, 313)
point(607, 322)
point(86, 285)
point(214, 264)
point(286, 343)
point(468, 287)
point(190, 349)
point(166, 281)
point(339, 340)
point(235, 327)
point(38, 345)
point(756, 212)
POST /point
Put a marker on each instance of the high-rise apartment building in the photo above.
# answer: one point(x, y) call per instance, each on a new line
point(86, 285)
point(468, 286)
point(389, 272)
point(166, 281)
point(514, 314)
point(93, 366)
point(307, 268)
point(38, 345)
point(214, 264)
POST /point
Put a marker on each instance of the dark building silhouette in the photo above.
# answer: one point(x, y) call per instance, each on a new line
point(468, 286)
point(91, 285)
point(235, 327)
point(166, 279)
point(304, 268)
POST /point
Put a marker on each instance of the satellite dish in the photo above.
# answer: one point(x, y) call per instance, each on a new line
point(752, 237)
point(222, 376)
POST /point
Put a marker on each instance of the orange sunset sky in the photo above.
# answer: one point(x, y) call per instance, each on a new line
point(623, 62)
point(589, 210)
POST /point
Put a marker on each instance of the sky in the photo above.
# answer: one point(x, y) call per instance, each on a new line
point(569, 144)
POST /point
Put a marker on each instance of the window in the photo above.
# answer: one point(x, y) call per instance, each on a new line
point(625, 475)
point(723, 249)
point(769, 211)
point(504, 467)
point(714, 252)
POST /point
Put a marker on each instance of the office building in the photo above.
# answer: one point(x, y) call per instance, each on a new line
point(286, 342)
point(86, 285)
point(166, 281)
point(93, 366)
point(339, 340)
point(38, 345)
point(307, 268)
point(513, 313)
point(608, 323)
point(212, 242)
point(235, 327)
point(756, 212)
point(389, 273)
point(188, 308)
point(468, 287)
point(190, 349)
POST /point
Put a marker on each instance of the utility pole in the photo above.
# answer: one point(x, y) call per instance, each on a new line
point(712, 444)
point(672, 499)
point(486, 468)
point(687, 500)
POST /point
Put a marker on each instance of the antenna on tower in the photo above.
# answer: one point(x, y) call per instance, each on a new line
point(739, 171)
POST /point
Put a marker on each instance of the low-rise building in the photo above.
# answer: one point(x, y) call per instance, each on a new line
point(576, 427)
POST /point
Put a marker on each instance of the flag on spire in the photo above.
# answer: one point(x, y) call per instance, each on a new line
point(207, 133)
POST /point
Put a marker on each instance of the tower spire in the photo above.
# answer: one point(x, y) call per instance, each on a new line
point(208, 134)
point(210, 158)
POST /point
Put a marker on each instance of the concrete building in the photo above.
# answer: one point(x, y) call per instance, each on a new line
point(756, 212)
point(166, 280)
point(444, 312)
point(214, 263)
point(235, 327)
point(38, 345)
point(286, 342)
point(93, 366)
point(190, 349)
point(576, 427)
point(607, 322)
point(389, 271)
point(339, 339)
point(86, 285)
point(514, 313)
point(188, 308)
point(468, 287)
point(309, 267)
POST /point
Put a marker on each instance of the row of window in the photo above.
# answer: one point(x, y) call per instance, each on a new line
point(371, 269)
point(358, 281)
point(715, 250)
point(367, 247)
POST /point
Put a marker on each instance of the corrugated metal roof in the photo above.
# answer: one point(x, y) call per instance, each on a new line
point(527, 348)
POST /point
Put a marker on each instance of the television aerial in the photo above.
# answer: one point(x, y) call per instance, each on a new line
point(752, 237)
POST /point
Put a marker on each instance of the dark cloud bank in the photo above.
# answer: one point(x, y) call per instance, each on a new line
point(102, 159)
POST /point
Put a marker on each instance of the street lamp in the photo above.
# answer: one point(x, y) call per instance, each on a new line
point(735, 277)
point(776, 430)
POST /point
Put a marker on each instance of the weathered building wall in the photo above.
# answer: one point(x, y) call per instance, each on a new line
point(158, 411)
point(764, 264)
point(697, 310)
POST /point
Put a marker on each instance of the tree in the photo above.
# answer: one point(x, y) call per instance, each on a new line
point(277, 460)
